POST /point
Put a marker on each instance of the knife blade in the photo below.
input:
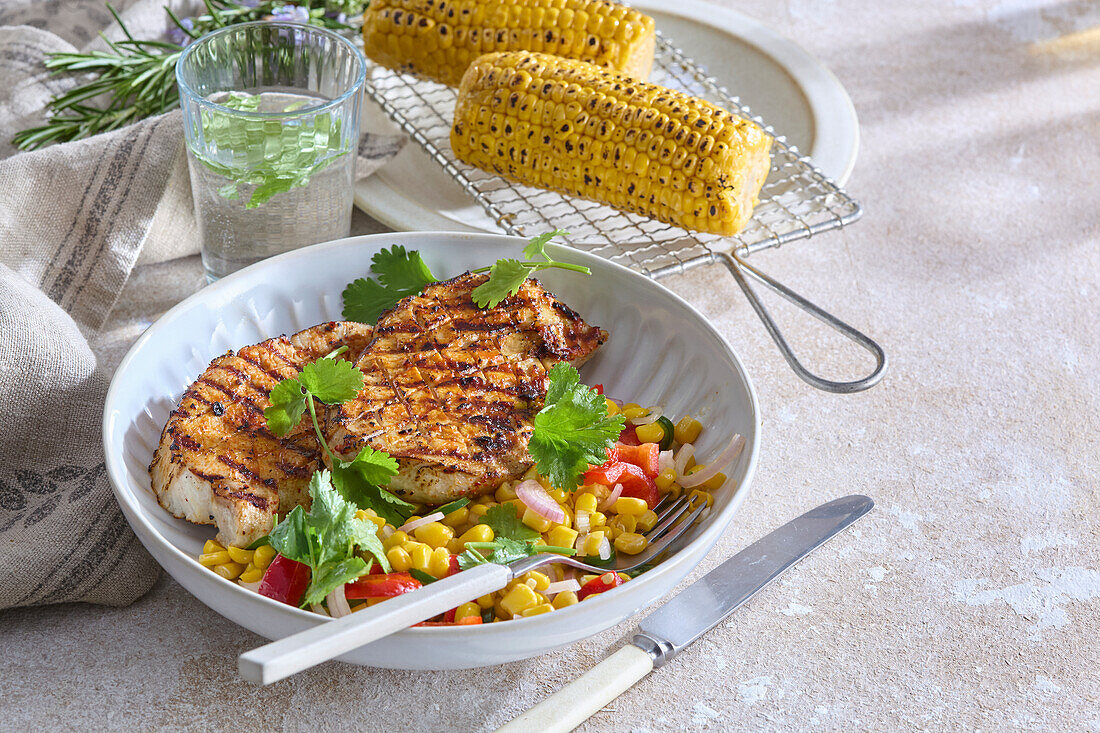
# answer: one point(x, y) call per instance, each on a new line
point(691, 613)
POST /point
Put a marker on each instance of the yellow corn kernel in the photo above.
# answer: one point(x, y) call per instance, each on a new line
point(542, 582)
point(630, 505)
point(630, 406)
point(539, 610)
point(263, 555)
point(419, 555)
point(631, 543)
point(478, 510)
point(211, 547)
point(557, 495)
point(434, 534)
point(375, 601)
point(687, 430)
point(613, 531)
point(592, 543)
point(715, 482)
point(439, 564)
point(585, 502)
point(229, 570)
point(626, 523)
point(239, 555)
point(506, 492)
point(566, 598)
point(519, 599)
point(535, 521)
point(647, 521)
point(624, 577)
point(455, 546)
point(477, 533)
point(457, 518)
point(612, 407)
point(652, 433)
point(561, 536)
point(486, 601)
point(632, 412)
point(368, 515)
point(597, 519)
point(251, 574)
point(397, 539)
point(675, 490)
point(665, 479)
point(399, 559)
point(698, 498)
point(213, 559)
point(467, 610)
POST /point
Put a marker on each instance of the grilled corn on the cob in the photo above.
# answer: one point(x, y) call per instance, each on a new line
point(438, 39)
point(569, 126)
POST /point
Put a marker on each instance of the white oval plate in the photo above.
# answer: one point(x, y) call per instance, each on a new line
point(665, 353)
point(790, 89)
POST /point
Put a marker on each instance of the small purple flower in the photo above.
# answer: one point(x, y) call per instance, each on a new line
point(178, 36)
point(291, 14)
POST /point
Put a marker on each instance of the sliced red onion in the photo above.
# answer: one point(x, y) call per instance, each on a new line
point(562, 587)
point(535, 498)
point(410, 526)
point(338, 603)
point(387, 531)
point(318, 609)
point(605, 549)
point(682, 457)
point(722, 461)
point(611, 498)
point(665, 461)
point(652, 416)
point(254, 587)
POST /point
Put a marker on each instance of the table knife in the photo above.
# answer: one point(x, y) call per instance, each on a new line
point(690, 614)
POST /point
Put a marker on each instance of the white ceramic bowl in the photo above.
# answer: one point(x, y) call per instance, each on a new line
point(661, 351)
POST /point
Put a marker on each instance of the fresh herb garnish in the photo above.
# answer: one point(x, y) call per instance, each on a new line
point(325, 539)
point(513, 540)
point(572, 430)
point(454, 506)
point(400, 274)
point(359, 480)
point(424, 578)
point(506, 275)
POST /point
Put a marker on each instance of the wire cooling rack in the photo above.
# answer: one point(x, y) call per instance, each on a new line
point(796, 202)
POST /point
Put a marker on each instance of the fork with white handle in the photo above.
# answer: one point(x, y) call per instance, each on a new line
point(325, 641)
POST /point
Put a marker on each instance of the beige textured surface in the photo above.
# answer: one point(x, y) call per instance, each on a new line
point(969, 599)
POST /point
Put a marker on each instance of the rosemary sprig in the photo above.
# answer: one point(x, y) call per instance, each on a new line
point(135, 79)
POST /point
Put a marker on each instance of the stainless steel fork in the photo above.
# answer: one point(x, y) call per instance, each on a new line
point(331, 638)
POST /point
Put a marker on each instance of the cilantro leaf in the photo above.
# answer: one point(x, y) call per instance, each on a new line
point(573, 430)
point(331, 380)
point(400, 274)
point(325, 538)
point(288, 404)
point(360, 481)
point(506, 277)
point(536, 246)
point(505, 522)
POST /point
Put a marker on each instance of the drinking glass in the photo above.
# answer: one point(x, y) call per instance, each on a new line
point(271, 120)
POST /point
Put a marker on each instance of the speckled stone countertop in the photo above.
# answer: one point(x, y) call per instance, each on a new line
point(970, 597)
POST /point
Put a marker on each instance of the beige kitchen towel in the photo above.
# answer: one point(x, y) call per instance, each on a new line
point(75, 219)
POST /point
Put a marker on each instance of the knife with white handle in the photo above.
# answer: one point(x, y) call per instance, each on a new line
point(690, 614)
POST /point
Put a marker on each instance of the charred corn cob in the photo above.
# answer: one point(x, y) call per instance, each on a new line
point(571, 127)
point(438, 39)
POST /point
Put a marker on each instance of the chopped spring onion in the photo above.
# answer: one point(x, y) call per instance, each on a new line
point(562, 586)
point(682, 457)
point(582, 520)
point(410, 526)
point(720, 462)
point(605, 549)
point(535, 498)
point(611, 498)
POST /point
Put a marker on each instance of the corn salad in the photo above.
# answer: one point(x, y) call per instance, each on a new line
point(595, 527)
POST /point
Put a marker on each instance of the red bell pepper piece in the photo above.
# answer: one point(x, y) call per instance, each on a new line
point(449, 616)
point(386, 585)
point(605, 582)
point(598, 388)
point(468, 621)
point(645, 456)
point(285, 580)
point(454, 567)
point(629, 436)
point(635, 483)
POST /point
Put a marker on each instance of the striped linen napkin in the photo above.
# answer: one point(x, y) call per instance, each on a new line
point(75, 219)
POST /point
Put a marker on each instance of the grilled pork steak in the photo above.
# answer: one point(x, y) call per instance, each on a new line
point(217, 463)
point(451, 389)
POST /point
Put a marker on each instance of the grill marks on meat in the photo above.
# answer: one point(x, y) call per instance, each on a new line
point(217, 463)
point(451, 389)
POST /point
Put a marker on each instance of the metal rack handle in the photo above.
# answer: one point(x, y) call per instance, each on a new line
point(738, 267)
